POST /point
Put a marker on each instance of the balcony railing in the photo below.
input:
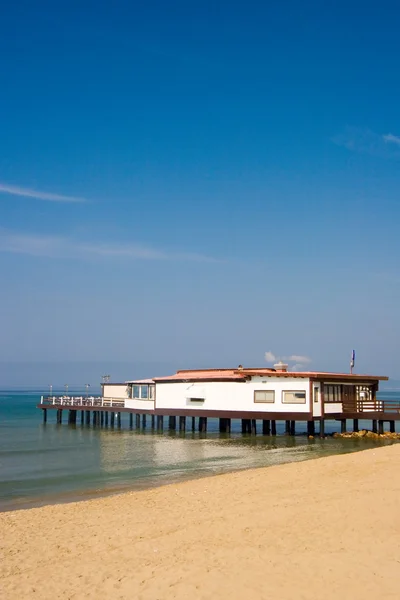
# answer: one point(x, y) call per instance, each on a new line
point(82, 401)
point(384, 406)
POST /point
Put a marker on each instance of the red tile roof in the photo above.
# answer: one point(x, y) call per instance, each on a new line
point(244, 374)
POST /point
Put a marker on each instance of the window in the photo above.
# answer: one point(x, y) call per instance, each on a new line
point(140, 392)
point(151, 392)
point(267, 396)
point(196, 399)
point(292, 397)
point(332, 393)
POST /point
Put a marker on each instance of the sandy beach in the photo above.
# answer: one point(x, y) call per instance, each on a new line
point(323, 528)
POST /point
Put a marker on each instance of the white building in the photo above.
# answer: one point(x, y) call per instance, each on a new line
point(247, 393)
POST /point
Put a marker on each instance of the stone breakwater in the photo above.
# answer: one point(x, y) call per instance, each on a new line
point(365, 433)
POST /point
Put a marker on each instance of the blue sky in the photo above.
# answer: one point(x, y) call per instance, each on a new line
point(196, 184)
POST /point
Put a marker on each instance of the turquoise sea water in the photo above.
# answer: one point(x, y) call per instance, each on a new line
point(42, 464)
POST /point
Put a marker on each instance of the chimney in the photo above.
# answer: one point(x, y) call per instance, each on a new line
point(281, 367)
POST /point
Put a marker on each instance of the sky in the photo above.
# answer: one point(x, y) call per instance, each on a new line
point(198, 184)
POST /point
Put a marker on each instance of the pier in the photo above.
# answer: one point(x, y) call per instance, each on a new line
point(103, 412)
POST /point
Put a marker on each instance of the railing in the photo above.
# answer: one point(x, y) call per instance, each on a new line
point(385, 406)
point(84, 401)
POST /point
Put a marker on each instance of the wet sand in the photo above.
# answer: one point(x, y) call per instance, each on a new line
point(323, 528)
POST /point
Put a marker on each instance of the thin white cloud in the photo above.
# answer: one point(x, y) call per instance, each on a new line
point(365, 141)
point(64, 247)
point(15, 190)
point(391, 139)
point(299, 360)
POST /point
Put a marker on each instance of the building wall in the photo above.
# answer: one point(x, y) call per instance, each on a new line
point(140, 404)
point(316, 401)
point(112, 390)
point(231, 395)
point(333, 407)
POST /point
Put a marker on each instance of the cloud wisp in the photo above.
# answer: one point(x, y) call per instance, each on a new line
point(299, 361)
point(15, 190)
point(366, 141)
point(70, 248)
point(391, 139)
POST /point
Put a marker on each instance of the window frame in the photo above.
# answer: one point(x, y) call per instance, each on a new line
point(302, 401)
point(332, 393)
point(264, 401)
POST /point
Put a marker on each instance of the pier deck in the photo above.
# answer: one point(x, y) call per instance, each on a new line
point(99, 408)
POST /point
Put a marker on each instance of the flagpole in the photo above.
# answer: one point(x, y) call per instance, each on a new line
point(353, 356)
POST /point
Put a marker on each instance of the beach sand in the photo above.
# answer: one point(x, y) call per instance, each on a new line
point(326, 528)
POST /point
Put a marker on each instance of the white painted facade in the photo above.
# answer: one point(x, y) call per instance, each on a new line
point(113, 390)
point(233, 396)
point(140, 404)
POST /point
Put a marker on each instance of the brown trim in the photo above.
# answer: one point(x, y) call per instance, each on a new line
point(191, 412)
point(203, 380)
point(322, 396)
point(311, 394)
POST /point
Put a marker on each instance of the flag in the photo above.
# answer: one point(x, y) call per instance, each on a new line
point(353, 358)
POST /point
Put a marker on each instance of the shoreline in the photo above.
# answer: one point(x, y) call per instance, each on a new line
point(85, 495)
point(275, 532)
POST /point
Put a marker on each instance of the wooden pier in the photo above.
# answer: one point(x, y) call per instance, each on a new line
point(104, 412)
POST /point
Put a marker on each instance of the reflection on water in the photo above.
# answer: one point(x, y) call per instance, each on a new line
point(46, 463)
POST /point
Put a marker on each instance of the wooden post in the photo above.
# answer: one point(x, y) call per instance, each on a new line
point(343, 425)
point(246, 425)
point(153, 421)
point(59, 415)
point(273, 427)
point(144, 421)
point(253, 426)
point(182, 424)
point(160, 422)
point(292, 427)
point(137, 421)
point(392, 427)
point(82, 417)
point(287, 427)
point(266, 427)
point(94, 418)
point(102, 418)
point(203, 424)
point(119, 420)
point(131, 420)
point(355, 424)
point(112, 419)
point(311, 428)
point(172, 422)
point(228, 426)
point(322, 428)
point(45, 415)
point(222, 425)
point(106, 418)
point(380, 427)
point(375, 426)
point(193, 424)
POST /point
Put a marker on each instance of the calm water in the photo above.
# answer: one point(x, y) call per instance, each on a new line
point(42, 464)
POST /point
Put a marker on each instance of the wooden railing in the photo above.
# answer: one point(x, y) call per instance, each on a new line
point(83, 401)
point(385, 406)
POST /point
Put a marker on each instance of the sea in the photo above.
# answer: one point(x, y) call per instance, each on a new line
point(48, 463)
